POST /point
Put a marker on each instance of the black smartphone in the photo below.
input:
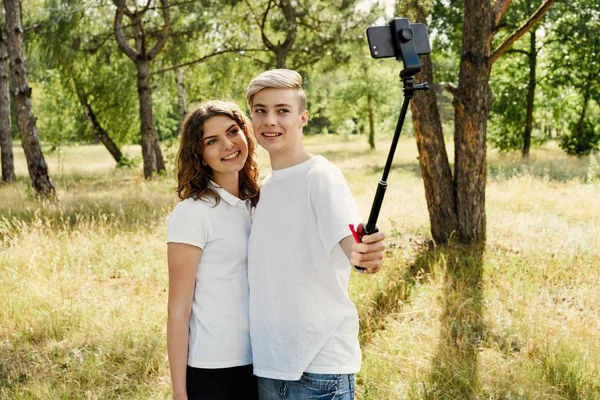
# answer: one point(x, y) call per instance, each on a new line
point(382, 46)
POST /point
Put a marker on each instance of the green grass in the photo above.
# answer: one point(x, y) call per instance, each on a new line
point(83, 282)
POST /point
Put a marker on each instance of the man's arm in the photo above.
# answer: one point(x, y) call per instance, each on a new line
point(368, 254)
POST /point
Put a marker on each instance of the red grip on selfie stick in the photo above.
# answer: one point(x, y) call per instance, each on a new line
point(357, 238)
point(358, 234)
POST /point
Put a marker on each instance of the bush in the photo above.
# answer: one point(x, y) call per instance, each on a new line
point(580, 143)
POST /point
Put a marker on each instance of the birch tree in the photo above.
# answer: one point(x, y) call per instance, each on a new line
point(36, 164)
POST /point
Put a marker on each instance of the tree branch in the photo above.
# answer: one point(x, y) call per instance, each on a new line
point(518, 51)
point(534, 19)
point(498, 10)
point(199, 60)
point(165, 32)
point(498, 27)
point(547, 43)
point(32, 28)
point(309, 61)
point(126, 10)
point(121, 41)
point(263, 35)
point(183, 3)
point(97, 41)
point(256, 60)
point(252, 12)
point(290, 18)
point(450, 88)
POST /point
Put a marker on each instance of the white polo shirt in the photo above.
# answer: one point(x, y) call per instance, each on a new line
point(219, 334)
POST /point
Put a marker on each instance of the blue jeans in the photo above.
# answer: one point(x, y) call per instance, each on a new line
point(310, 386)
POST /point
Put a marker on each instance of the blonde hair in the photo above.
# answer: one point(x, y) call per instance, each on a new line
point(277, 79)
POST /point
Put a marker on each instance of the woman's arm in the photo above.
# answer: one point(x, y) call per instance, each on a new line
point(183, 262)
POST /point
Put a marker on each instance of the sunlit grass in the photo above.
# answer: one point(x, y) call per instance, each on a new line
point(83, 281)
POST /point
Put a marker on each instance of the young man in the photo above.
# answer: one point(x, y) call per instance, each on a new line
point(303, 325)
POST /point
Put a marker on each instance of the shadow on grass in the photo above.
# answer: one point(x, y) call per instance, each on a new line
point(454, 367)
point(401, 278)
point(409, 168)
point(454, 373)
point(398, 287)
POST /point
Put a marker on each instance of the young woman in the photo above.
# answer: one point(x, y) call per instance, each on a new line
point(208, 337)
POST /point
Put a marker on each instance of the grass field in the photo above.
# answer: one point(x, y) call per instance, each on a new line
point(83, 283)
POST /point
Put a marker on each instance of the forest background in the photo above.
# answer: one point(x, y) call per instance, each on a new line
point(506, 310)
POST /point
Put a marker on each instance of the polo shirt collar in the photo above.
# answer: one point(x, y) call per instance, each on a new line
point(225, 195)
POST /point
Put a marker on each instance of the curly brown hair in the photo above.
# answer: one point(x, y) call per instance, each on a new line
point(193, 177)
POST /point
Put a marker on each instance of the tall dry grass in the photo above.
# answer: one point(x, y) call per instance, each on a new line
point(83, 282)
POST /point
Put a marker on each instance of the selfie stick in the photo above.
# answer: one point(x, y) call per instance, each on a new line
point(407, 53)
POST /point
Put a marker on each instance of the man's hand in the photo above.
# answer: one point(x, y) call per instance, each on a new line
point(369, 253)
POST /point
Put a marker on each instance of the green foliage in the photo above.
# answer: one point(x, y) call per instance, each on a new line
point(514, 75)
point(320, 30)
point(446, 22)
point(226, 76)
point(518, 12)
point(509, 106)
point(71, 45)
point(345, 92)
point(582, 140)
point(166, 115)
point(576, 45)
point(574, 64)
point(60, 120)
point(126, 162)
point(555, 108)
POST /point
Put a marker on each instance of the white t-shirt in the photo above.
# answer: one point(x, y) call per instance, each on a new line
point(219, 332)
point(301, 318)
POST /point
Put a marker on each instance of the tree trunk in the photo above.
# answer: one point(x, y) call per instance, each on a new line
point(281, 58)
point(181, 92)
point(6, 146)
point(472, 98)
point(472, 108)
point(433, 159)
point(141, 56)
point(151, 152)
point(281, 49)
point(530, 94)
point(586, 100)
point(36, 164)
point(160, 162)
point(153, 161)
point(95, 126)
point(371, 121)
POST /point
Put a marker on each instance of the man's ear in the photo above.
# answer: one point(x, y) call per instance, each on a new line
point(303, 118)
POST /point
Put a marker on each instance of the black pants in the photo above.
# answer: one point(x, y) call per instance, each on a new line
point(236, 383)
